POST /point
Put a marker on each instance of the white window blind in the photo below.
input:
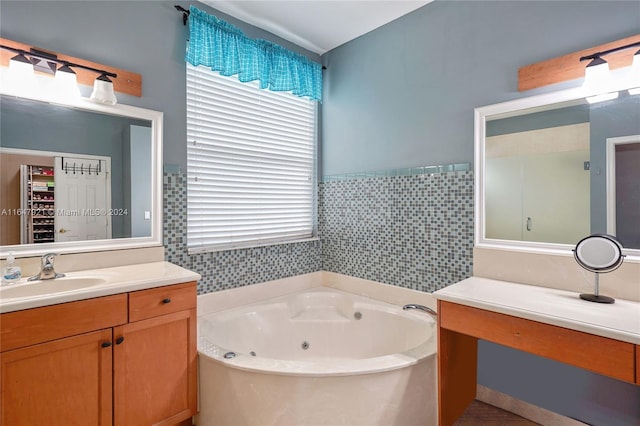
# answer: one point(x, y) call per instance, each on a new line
point(250, 163)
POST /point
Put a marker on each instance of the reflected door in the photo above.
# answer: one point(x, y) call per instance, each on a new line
point(537, 185)
point(623, 189)
point(83, 199)
point(556, 199)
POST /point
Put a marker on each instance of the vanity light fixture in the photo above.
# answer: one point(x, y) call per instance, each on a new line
point(22, 67)
point(598, 78)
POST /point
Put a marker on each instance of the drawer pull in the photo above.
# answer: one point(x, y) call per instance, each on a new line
point(167, 300)
point(119, 340)
point(106, 344)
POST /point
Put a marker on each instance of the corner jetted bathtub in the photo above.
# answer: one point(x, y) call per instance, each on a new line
point(317, 357)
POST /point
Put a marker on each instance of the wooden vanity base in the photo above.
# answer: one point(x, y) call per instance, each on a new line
point(460, 327)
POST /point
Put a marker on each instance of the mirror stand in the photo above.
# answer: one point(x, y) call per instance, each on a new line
point(596, 297)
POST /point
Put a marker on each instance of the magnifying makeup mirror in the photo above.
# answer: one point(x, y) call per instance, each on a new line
point(598, 253)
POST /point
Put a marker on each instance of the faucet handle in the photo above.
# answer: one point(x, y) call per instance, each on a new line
point(47, 259)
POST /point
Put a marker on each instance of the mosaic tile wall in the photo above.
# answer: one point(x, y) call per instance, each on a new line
point(234, 268)
point(413, 231)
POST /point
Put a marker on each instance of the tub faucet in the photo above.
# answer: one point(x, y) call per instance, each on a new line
point(46, 270)
point(420, 308)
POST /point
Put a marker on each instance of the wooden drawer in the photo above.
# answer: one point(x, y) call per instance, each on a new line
point(38, 325)
point(162, 300)
point(602, 355)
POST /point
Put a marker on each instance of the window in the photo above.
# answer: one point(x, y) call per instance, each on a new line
point(250, 163)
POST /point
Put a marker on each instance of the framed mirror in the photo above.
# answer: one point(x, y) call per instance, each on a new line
point(78, 176)
point(551, 169)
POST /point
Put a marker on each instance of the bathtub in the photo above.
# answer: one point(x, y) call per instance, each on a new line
point(319, 356)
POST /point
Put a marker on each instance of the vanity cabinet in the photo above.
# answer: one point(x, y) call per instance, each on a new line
point(125, 359)
point(155, 358)
point(460, 327)
point(551, 323)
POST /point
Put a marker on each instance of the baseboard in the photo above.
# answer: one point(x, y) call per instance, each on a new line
point(524, 409)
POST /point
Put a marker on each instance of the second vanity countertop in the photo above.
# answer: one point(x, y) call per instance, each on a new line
point(119, 279)
point(620, 320)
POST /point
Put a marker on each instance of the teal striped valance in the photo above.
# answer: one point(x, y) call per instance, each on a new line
point(222, 47)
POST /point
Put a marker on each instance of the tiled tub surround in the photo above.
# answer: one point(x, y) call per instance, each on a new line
point(410, 230)
point(223, 270)
point(413, 231)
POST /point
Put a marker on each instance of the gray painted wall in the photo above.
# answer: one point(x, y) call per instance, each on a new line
point(539, 120)
point(404, 95)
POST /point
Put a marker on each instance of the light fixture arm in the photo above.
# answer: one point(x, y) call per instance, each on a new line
point(37, 54)
point(606, 52)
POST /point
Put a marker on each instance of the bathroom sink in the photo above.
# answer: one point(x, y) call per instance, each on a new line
point(48, 287)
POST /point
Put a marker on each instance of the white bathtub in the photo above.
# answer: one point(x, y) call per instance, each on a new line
point(319, 356)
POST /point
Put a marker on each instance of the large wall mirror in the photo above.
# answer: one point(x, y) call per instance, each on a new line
point(78, 176)
point(552, 169)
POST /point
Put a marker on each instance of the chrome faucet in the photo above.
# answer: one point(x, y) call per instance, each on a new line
point(46, 270)
point(420, 308)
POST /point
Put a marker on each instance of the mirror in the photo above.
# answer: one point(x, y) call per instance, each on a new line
point(553, 168)
point(78, 176)
point(598, 253)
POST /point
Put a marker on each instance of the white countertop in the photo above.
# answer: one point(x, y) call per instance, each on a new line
point(620, 320)
point(118, 279)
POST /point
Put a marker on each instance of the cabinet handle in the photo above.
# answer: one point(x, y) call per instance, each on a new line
point(106, 344)
point(167, 300)
point(119, 340)
point(528, 224)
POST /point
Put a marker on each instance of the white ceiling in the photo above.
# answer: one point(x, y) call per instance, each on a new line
point(317, 25)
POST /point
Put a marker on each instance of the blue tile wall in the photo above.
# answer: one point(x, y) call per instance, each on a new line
point(413, 231)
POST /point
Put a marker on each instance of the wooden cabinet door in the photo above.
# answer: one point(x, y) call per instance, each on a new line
point(66, 382)
point(155, 370)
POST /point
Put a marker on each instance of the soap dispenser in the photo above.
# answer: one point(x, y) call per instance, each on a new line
point(11, 272)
